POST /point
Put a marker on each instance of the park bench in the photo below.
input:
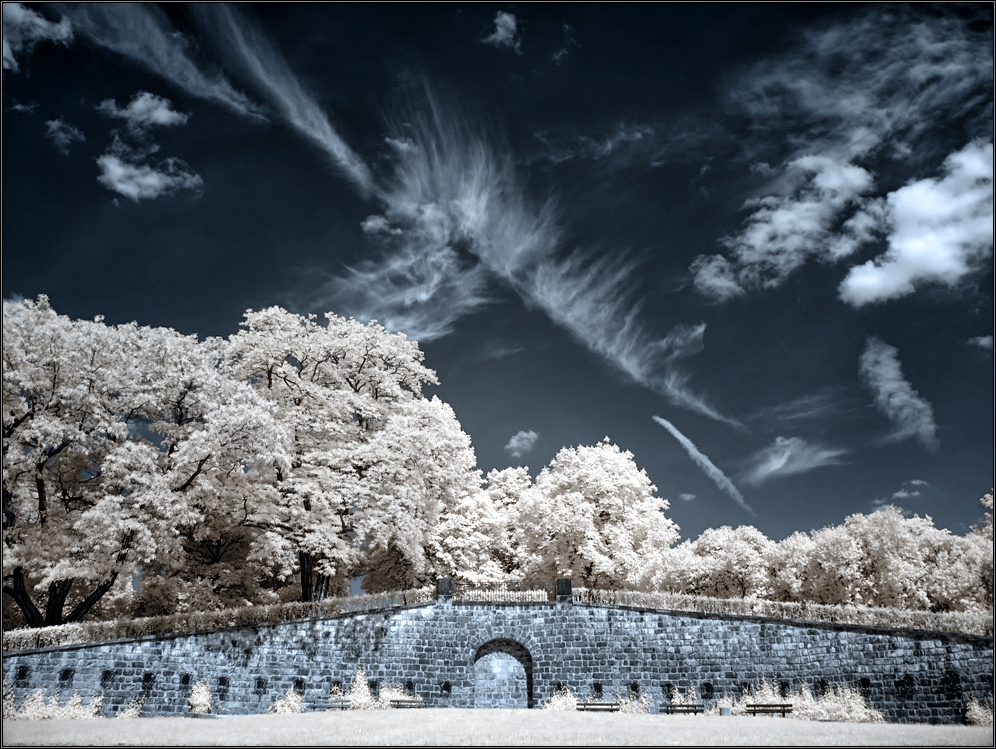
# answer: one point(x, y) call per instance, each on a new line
point(339, 704)
point(683, 709)
point(407, 703)
point(607, 707)
point(759, 709)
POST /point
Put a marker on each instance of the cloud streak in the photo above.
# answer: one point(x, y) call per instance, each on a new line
point(143, 34)
point(708, 467)
point(895, 396)
point(788, 456)
point(266, 67)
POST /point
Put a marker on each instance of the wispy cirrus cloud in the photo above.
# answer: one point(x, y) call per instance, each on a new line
point(521, 443)
point(894, 395)
point(860, 93)
point(506, 33)
point(708, 467)
point(144, 34)
point(454, 217)
point(63, 134)
point(266, 68)
point(788, 456)
point(23, 28)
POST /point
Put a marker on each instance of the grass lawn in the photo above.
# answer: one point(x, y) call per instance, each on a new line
point(448, 726)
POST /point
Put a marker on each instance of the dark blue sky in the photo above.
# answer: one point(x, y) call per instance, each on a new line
point(767, 225)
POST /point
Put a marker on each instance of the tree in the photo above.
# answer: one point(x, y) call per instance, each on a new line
point(373, 465)
point(594, 516)
point(733, 562)
point(119, 444)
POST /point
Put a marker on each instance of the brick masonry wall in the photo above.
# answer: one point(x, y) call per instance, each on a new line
point(434, 648)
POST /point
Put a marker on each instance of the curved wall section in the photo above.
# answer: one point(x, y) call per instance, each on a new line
point(435, 649)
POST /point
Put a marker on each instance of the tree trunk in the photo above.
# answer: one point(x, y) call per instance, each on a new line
point(314, 585)
point(57, 594)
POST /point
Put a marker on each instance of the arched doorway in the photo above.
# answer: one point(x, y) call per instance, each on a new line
point(503, 675)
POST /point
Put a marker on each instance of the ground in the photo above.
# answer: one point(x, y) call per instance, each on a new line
point(482, 727)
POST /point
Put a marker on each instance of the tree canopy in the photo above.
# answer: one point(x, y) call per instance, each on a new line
point(147, 472)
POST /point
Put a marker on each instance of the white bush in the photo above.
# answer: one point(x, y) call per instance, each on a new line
point(200, 698)
point(133, 709)
point(35, 706)
point(839, 702)
point(291, 702)
point(562, 699)
point(634, 705)
point(390, 692)
point(979, 713)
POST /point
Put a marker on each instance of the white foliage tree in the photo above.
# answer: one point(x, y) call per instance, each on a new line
point(594, 516)
point(119, 442)
point(373, 464)
point(731, 562)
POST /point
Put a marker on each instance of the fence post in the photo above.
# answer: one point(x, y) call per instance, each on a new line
point(444, 590)
point(564, 594)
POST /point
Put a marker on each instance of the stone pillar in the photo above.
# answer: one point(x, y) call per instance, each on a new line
point(444, 590)
point(564, 594)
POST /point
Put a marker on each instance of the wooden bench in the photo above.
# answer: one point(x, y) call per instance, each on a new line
point(407, 703)
point(683, 709)
point(595, 707)
point(337, 704)
point(769, 709)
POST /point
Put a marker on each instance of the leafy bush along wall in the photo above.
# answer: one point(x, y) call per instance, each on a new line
point(433, 650)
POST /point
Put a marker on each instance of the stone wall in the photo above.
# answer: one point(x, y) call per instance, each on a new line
point(467, 654)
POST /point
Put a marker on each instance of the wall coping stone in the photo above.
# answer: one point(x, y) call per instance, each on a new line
point(919, 634)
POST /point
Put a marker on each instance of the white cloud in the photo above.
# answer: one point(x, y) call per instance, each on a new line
point(455, 218)
point(940, 230)
point(872, 87)
point(982, 341)
point(505, 32)
point(686, 497)
point(144, 111)
point(143, 182)
point(63, 134)
point(707, 466)
point(251, 51)
point(783, 232)
point(790, 455)
point(23, 28)
point(142, 33)
point(894, 396)
point(521, 443)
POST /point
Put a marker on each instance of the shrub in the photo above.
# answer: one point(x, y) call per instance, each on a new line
point(979, 713)
point(133, 709)
point(394, 692)
point(839, 702)
point(634, 705)
point(562, 699)
point(291, 702)
point(690, 698)
point(200, 698)
point(35, 707)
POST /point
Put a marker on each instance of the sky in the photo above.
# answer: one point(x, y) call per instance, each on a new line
point(750, 243)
